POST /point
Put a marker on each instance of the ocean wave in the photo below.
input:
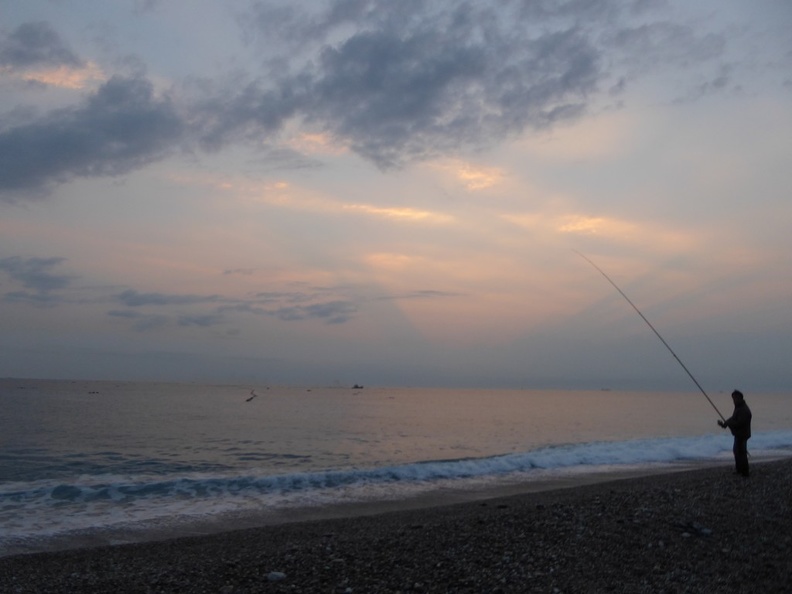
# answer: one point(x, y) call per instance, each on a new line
point(47, 507)
point(87, 488)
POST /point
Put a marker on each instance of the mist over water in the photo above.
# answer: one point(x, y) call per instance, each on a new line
point(82, 458)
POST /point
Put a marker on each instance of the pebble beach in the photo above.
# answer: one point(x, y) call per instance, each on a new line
point(703, 530)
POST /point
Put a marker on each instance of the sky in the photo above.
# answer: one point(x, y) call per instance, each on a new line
point(397, 193)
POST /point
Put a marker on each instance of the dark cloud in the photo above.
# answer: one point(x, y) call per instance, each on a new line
point(134, 298)
point(333, 312)
point(35, 44)
point(36, 273)
point(420, 294)
point(202, 321)
point(290, 296)
point(398, 82)
point(414, 79)
point(40, 299)
point(119, 128)
point(141, 321)
point(286, 306)
point(247, 113)
point(413, 82)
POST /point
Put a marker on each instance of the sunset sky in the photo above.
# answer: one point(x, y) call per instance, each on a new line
point(393, 192)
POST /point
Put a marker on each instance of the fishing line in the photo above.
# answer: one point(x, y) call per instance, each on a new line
point(643, 317)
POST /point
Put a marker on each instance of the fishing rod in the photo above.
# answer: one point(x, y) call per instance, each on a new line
point(643, 317)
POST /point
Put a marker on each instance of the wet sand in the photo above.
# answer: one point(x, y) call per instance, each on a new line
point(702, 530)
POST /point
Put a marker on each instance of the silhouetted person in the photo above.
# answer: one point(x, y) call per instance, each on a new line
point(740, 425)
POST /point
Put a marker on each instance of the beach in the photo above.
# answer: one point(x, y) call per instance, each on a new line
point(702, 530)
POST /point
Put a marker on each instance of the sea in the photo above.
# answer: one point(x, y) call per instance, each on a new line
point(86, 463)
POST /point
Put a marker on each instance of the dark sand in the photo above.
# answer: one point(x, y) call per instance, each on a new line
point(703, 530)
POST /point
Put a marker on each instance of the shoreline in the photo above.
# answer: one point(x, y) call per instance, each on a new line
point(698, 530)
point(116, 535)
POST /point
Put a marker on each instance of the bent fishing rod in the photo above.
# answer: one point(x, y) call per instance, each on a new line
point(643, 317)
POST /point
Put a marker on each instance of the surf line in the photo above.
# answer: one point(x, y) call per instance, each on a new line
point(643, 317)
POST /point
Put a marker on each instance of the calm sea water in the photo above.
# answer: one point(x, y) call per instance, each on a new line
point(95, 462)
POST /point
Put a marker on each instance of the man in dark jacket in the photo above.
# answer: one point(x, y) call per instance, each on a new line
point(740, 425)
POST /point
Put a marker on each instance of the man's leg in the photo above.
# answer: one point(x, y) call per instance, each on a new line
point(741, 455)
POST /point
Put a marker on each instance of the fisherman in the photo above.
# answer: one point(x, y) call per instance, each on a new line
point(740, 425)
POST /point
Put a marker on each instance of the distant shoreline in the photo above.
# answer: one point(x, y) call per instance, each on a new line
point(700, 530)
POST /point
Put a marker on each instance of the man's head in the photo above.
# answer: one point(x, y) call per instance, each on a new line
point(737, 396)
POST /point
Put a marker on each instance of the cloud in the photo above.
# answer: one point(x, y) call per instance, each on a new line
point(663, 44)
point(41, 299)
point(283, 195)
point(35, 53)
point(399, 214)
point(610, 230)
point(202, 321)
point(142, 322)
point(308, 144)
point(400, 82)
point(402, 89)
point(323, 303)
point(421, 294)
point(121, 127)
point(422, 95)
point(132, 298)
point(151, 321)
point(334, 312)
point(473, 177)
point(35, 273)
point(35, 44)
point(316, 304)
point(65, 77)
point(394, 82)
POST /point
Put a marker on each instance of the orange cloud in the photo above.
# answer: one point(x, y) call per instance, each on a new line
point(64, 77)
point(473, 177)
point(399, 213)
point(389, 261)
point(311, 144)
point(283, 194)
point(606, 228)
point(586, 225)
